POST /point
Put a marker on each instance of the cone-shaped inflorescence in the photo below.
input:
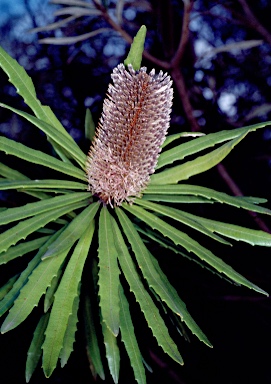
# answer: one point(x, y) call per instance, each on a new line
point(132, 127)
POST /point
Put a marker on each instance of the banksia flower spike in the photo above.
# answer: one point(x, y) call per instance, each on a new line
point(131, 130)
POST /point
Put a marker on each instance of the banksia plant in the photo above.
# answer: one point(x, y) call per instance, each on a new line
point(129, 197)
point(132, 128)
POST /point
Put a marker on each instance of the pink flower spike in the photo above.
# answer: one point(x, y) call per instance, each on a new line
point(131, 130)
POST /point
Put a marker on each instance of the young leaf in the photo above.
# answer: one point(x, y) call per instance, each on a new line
point(11, 147)
point(64, 299)
point(149, 309)
point(108, 273)
point(89, 126)
point(34, 353)
point(93, 349)
point(155, 277)
point(73, 231)
point(194, 167)
point(129, 339)
point(135, 54)
point(190, 245)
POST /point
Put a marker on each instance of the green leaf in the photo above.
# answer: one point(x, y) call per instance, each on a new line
point(73, 231)
point(112, 352)
point(50, 292)
point(64, 299)
point(176, 199)
point(129, 339)
point(24, 85)
point(36, 184)
point(194, 167)
point(251, 236)
point(89, 126)
point(194, 190)
point(69, 337)
point(32, 291)
point(34, 353)
point(149, 309)
point(135, 54)
point(170, 138)
point(155, 277)
point(10, 173)
point(9, 298)
point(32, 209)
point(8, 286)
point(199, 144)
point(93, 349)
point(22, 249)
point(190, 245)
point(11, 147)
point(182, 217)
point(108, 273)
point(24, 228)
point(67, 144)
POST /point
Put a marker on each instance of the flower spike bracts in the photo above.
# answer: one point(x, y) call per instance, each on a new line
point(131, 130)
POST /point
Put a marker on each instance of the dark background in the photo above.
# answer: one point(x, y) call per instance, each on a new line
point(224, 89)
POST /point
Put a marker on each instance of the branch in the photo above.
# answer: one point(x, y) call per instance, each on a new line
point(177, 58)
point(128, 38)
point(237, 192)
point(252, 21)
point(178, 79)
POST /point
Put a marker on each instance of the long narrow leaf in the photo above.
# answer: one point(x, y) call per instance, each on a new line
point(34, 353)
point(66, 143)
point(181, 151)
point(10, 297)
point(64, 299)
point(8, 286)
point(182, 217)
point(112, 352)
point(69, 337)
point(11, 147)
point(32, 291)
point(194, 167)
point(25, 87)
point(129, 339)
point(236, 232)
point(93, 349)
point(24, 228)
point(149, 309)
point(221, 197)
point(190, 245)
point(32, 184)
point(155, 277)
point(22, 249)
point(73, 231)
point(32, 209)
point(108, 273)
